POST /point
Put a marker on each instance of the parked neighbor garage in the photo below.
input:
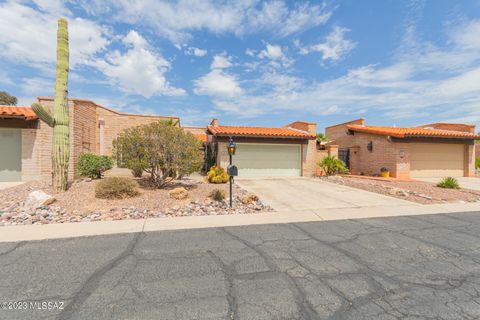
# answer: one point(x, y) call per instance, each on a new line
point(10, 154)
point(436, 160)
point(268, 152)
point(431, 150)
point(260, 159)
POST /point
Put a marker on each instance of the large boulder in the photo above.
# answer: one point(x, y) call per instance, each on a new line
point(36, 199)
point(178, 193)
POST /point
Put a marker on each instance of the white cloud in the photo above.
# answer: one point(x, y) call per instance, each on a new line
point(271, 52)
point(177, 20)
point(221, 62)
point(218, 84)
point(197, 52)
point(27, 35)
point(139, 70)
point(423, 80)
point(335, 47)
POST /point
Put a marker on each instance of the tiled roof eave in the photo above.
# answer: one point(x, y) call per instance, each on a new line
point(305, 137)
point(461, 137)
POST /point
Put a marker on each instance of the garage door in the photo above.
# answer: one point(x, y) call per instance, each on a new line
point(436, 160)
point(268, 160)
point(10, 154)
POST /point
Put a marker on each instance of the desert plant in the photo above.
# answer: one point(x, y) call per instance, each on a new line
point(217, 194)
point(477, 163)
point(217, 175)
point(332, 166)
point(59, 119)
point(93, 166)
point(116, 188)
point(322, 138)
point(164, 151)
point(448, 183)
point(7, 99)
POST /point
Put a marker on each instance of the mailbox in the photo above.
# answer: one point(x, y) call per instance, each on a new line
point(232, 170)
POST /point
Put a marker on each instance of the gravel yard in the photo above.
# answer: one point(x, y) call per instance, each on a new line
point(415, 191)
point(79, 203)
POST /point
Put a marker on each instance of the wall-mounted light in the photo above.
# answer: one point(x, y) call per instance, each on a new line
point(370, 146)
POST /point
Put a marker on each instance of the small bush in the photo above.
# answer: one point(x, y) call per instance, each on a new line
point(137, 168)
point(93, 166)
point(332, 166)
point(448, 183)
point(477, 163)
point(217, 175)
point(116, 188)
point(217, 194)
point(178, 193)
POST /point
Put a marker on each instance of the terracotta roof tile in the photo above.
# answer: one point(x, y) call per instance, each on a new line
point(18, 112)
point(259, 132)
point(412, 132)
point(201, 136)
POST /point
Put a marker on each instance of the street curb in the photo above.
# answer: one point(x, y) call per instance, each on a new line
point(83, 229)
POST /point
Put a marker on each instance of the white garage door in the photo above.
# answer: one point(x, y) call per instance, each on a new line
point(268, 160)
point(436, 160)
point(10, 154)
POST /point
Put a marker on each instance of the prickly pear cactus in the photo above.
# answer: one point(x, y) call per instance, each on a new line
point(59, 120)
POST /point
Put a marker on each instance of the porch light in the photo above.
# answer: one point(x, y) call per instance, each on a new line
point(232, 147)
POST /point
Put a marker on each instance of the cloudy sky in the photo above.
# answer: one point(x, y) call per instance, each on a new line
point(251, 62)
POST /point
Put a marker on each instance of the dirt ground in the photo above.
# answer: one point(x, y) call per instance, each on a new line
point(415, 191)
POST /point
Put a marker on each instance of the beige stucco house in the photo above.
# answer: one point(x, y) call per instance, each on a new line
point(430, 150)
point(25, 141)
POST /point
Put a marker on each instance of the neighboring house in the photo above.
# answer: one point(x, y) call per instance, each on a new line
point(286, 151)
point(26, 142)
point(431, 150)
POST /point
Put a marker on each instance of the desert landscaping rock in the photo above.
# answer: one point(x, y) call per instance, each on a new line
point(79, 204)
point(415, 191)
point(36, 199)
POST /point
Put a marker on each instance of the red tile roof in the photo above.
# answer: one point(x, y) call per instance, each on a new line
point(259, 132)
point(412, 132)
point(201, 136)
point(18, 112)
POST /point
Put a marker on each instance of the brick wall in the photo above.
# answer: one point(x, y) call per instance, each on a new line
point(116, 122)
point(84, 136)
point(309, 150)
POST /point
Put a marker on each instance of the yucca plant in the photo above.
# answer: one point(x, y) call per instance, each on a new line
point(59, 119)
point(332, 166)
point(448, 183)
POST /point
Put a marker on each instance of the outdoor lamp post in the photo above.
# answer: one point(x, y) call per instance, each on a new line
point(232, 170)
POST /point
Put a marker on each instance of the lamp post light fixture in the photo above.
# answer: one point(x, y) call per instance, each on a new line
point(231, 170)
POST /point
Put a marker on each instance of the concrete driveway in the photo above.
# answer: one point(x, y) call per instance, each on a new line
point(297, 194)
point(472, 183)
point(6, 185)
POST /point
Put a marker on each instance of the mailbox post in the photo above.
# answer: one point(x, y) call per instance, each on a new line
point(231, 170)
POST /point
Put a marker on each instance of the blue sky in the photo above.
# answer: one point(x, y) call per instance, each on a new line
point(249, 62)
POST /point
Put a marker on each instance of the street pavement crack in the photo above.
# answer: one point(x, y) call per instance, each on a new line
point(303, 305)
point(92, 283)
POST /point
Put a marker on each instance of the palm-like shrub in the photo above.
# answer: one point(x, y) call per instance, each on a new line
point(332, 166)
point(448, 183)
point(477, 163)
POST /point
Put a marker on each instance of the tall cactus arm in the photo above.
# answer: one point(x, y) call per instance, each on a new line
point(43, 113)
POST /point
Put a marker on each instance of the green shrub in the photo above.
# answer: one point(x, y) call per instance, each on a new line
point(92, 165)
point(116, 188)
point(217, 175)
point(332, 166)
point(137, 167)
point(448, 183)
point(161, 149)
point(217, 194)
point(477, 163)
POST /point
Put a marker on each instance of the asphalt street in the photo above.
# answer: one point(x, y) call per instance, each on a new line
point(419, 267)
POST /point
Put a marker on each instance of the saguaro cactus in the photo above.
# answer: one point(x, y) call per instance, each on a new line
point(59, 120)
